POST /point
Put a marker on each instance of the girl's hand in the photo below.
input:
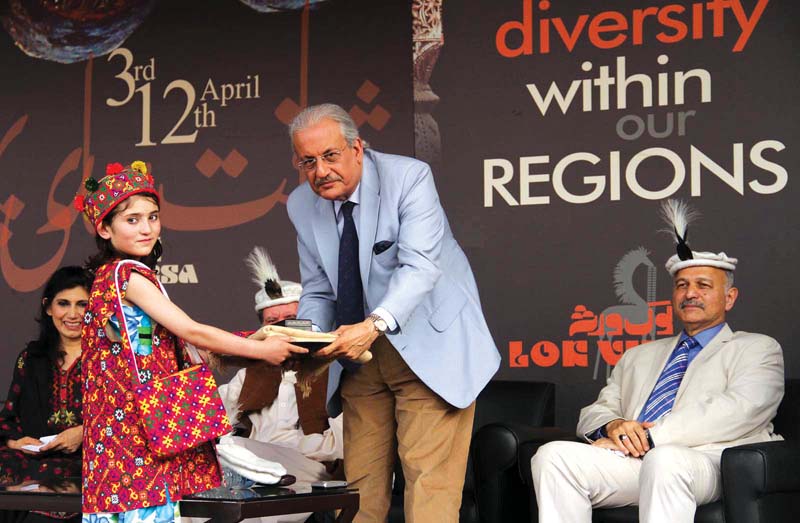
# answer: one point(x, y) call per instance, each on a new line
point(68, 441)
point(275, 350)
point(17, 444)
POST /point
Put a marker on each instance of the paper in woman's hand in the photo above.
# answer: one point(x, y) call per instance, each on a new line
point(44, 439)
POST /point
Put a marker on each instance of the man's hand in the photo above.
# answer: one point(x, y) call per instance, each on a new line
point(629, 435)
point(607, 443)
point(352, 341)
point(67, 441)
point(17, 444)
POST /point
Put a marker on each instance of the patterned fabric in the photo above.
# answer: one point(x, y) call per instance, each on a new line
point(182, 411)
point(60, 410)
point(166, 513)
point(64, 401)
point(136, 321)
point(663, 396)
point(169, 406)
point(118, 184)
point(120, 472)
point(64, 411)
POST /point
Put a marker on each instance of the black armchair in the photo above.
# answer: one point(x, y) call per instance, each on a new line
point(761, 482)
point(529, 404)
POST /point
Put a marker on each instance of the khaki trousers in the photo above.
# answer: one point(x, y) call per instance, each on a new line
point(386, 408)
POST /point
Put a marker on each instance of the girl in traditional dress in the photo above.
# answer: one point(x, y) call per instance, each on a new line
point(124, 481)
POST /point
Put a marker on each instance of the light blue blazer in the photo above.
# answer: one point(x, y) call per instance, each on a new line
point(424, 279)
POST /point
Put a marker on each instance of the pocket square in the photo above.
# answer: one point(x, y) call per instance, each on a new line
point(381, 246)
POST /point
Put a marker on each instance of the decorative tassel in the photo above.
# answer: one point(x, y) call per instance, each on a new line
point(678, 216)
point(264, 272)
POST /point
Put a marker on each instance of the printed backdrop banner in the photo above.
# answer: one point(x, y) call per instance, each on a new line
point(554, 128)
point(559, 128)
point(202, 91)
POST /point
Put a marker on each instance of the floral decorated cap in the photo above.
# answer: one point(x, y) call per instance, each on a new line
point(117, 185)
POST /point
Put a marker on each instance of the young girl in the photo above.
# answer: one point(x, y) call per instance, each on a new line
point(123, 480)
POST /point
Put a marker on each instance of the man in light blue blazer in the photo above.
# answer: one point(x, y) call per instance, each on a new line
point(380, 265)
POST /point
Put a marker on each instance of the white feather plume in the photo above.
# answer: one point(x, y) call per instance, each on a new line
point(261, 266)
point(678, 215)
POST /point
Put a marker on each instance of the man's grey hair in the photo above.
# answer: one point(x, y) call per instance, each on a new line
point(728, 280)
point(314, 114)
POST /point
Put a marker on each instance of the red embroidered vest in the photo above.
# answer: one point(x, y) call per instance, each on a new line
point(120, 473)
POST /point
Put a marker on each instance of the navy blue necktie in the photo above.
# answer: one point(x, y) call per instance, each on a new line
point(663, 396)
point(350, 292)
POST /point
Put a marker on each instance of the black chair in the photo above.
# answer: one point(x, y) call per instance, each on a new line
point(761, 482)
point(525, 403)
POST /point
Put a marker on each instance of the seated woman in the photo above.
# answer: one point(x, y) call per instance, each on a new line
point(45, 394)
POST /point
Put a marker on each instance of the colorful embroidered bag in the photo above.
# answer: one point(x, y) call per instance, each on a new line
point(179, 411)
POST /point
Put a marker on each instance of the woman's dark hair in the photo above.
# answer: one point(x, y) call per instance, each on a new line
point(106, 251)
point(48, 344)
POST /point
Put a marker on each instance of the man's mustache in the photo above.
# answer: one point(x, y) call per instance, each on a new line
point(328, 179)
point(691, 303)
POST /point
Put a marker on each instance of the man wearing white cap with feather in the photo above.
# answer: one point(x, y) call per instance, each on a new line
point(280, 424)
point(658, 427)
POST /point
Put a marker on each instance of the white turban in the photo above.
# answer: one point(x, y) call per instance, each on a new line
point(701, 259)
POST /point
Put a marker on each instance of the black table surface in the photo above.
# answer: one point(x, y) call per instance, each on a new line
point(220, 504)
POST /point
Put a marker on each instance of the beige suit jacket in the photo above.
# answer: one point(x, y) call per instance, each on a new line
point(728, 396)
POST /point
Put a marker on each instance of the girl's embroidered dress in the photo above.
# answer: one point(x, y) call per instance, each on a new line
point(120, 472)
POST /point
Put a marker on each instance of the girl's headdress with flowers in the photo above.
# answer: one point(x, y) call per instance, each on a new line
point(117, 185)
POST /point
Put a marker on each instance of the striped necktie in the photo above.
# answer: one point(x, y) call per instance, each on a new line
point(663, 396)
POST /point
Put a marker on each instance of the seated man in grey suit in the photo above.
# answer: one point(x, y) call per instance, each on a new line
point(670, 407)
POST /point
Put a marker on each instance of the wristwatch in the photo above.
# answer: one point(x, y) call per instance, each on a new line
point(379, 323)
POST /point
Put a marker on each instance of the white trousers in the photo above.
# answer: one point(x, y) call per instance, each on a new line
point(668, 483)
point(304, 469)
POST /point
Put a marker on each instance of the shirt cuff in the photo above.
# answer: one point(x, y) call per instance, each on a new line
point(387, 317)
point(597, 434)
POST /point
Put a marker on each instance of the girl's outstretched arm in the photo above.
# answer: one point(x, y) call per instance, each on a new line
point(142, 293)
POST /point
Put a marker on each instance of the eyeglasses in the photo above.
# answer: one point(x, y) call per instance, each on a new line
point(310, 164)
